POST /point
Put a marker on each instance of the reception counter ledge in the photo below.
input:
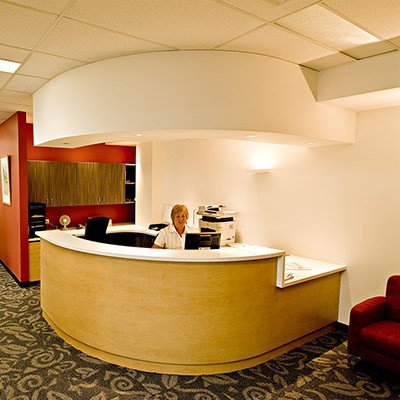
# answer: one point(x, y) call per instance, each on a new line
point(179, 311)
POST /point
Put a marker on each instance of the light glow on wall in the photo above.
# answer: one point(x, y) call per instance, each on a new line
point(262, 161)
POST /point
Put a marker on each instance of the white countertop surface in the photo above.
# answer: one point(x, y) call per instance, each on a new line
point(237, 252)
point(300, 269)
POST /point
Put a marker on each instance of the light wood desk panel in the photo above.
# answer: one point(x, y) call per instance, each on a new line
point(180, 317)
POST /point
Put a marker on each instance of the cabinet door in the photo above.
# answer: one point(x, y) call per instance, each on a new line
point(38, 181)
point(112, 179)
point(34, 261)
point(63, 183)
point(88, 184)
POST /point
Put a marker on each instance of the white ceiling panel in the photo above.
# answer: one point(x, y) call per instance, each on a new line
point(47, 66)
point(53, 6)
point(324, 26)
point(80, 41)
point(183, 24)
point(270, 12)
point(23, 27)
point(396, 41)
point(28, 84)
point(4, 77)
point(327, 62)
point(370, 50)
point(12, 53)
point(10, 96)
point(379, 17)
point(4, 115)
point(277, 42)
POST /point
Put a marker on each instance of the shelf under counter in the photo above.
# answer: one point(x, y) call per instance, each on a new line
point(295, 270)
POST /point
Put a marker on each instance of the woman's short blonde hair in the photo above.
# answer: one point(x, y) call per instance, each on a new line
point(179, 209)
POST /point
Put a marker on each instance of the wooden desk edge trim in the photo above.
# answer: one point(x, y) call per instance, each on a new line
point(186, 369)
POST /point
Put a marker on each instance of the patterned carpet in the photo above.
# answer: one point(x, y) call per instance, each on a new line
point(36, 364)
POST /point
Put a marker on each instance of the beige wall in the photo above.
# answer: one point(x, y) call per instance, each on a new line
point(336, 203)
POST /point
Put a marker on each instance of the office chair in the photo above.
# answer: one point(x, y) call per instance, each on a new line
point(95, 229)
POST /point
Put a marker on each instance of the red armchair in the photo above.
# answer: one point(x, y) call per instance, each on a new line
point(374, 328)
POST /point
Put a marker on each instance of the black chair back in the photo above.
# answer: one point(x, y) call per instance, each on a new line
point(95, 228)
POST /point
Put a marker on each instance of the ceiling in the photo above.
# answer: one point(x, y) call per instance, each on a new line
point(50, 37)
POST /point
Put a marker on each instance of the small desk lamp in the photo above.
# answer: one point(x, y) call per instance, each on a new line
point(64, 221)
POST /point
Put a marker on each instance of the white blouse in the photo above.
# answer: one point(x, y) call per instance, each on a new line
point(169, 238)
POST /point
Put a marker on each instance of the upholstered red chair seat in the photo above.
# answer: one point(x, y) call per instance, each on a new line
point(374, 328)
point(382, 337)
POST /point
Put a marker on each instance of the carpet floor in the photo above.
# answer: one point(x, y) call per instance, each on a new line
point(35, 364)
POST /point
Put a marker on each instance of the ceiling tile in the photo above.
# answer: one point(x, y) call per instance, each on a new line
point(324, 26)
point(22, 27)
point(278, 42)
point(4, 76)
point(47, 66)
point(270, 12)
point(53, 6)
point(79, 41)
point(4, 115)
point(379, 17)
point(396, 41)
point(12, 53)
point(327, 62)
point(28, 84)
point(370, 50)
point(183, 24)
point(10, 96)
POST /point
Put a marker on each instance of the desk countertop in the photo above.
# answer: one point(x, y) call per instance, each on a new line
point(240, 252)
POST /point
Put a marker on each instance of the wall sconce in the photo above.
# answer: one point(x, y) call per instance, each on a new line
point(262, 163)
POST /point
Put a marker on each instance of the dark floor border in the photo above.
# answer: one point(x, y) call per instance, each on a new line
point(340, 326)
point(20, 284)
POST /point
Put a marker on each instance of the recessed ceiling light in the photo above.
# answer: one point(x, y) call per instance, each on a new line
point(138, 134)
point(250, 136)
point(9, 66)
point(310, 143)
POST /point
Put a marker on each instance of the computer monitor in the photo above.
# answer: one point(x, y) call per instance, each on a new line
point(202, 240)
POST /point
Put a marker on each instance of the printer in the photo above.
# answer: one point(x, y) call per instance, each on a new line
point(218, 219)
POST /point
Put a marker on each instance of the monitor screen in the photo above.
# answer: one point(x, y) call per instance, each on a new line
point(202, 240)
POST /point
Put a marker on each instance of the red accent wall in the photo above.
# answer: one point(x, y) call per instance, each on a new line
point(16, 140)
point(13, 222)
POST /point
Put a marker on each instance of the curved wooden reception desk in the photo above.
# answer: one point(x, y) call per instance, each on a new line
point(178, 311)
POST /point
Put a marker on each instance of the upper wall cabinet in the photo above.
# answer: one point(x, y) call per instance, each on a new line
point(68, 184)
point(100, 183)
point(53, 183)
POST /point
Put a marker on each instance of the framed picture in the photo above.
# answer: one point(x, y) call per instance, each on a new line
point(5, 179)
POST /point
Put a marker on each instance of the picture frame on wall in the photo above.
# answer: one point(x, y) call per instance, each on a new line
point(5, 179)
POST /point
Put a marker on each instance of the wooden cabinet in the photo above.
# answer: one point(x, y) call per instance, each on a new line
point(34, 261)
point(52, 183)
point(100, 183)
point(68, 184)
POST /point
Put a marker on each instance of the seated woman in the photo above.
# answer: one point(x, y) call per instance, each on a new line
point(173, 236)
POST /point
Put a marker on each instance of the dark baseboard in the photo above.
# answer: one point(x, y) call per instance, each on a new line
point(20, 284)
point(340, 326)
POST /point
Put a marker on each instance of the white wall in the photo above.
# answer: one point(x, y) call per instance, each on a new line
point(336, 203)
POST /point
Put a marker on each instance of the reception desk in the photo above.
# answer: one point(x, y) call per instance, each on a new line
point(179, 311)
